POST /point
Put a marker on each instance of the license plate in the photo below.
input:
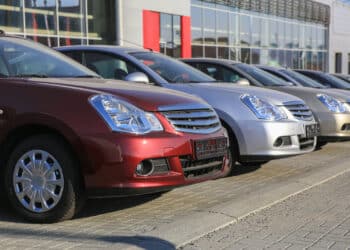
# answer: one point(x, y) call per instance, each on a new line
point(312, 130)
point(211, 148)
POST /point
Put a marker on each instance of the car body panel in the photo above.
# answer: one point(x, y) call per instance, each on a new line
point(107, 159)
point(229, 106)
point(331, 123)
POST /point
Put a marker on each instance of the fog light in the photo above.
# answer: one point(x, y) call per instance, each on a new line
point(283, 141)
point(144, 168)
point(278, 142)
point(345, 127)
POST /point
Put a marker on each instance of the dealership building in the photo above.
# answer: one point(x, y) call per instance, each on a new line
point(300, 34)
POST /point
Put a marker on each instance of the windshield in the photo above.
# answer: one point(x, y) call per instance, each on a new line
point(24, 58)
point(173, 71)
point(263, 77)
point(336, 82)
point(303, 80)
point(342, 77)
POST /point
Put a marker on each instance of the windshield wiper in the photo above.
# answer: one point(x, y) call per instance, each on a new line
point(31, 75)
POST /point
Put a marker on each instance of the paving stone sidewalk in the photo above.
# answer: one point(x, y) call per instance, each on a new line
point(131, 222)
point(316, 219)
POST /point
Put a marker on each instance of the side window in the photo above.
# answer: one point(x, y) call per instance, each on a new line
point(220, 73)
point(75, 55)
point(108, 66)
point(3, 69)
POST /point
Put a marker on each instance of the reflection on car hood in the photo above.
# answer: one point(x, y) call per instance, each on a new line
point(305, 92)
point(221, 89)
point(147, 97)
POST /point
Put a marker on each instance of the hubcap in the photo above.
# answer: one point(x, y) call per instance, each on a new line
point(38, 181)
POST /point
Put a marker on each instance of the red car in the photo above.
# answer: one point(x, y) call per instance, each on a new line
point(65, 132)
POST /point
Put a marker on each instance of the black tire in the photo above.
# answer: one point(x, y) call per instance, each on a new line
point(320, 144)
point(70, 196)
point(232, 152)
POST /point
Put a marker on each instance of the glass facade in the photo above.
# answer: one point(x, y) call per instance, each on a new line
point(233, 32)
point(60, 22)
point(170, 35)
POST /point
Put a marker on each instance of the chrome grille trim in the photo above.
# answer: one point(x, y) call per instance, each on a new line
point(299, 110)
point(196, 118)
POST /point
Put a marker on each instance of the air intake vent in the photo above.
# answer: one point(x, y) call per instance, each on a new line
point(192, 119)
point(299, 110)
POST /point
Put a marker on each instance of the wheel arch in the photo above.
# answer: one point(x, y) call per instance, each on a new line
point(21, 131)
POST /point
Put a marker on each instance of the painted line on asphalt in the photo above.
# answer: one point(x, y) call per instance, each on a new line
point(255, 211)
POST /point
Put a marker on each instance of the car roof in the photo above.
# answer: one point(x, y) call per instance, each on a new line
point(339, 74)
point(273, 68)
point(213, 60)
point(106, 48)
point(309, 70)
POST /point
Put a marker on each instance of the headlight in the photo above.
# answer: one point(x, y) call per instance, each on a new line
point(124, 117)
point(332, 103)
point(263, 110)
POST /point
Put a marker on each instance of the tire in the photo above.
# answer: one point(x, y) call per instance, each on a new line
point(320, 144)
point(232, 152)
point(47, 191)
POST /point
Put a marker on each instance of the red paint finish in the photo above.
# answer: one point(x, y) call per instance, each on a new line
point(35, 27)
point(68, 42)
point(108, 160)
point(151, 30)
point(186, 49)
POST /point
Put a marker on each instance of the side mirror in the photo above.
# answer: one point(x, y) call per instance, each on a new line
point(243, 81)
point(137, 77)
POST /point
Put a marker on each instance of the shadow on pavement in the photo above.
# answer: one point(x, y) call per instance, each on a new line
point(91, 208)
point(143, 242)
point(100, 206)
point(245, 169)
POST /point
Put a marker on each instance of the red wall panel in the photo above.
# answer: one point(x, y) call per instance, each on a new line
point(151, 30)
point(186, 49)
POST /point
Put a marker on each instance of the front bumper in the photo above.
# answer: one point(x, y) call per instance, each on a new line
point(114, 158)
point(258, 142)
point(334, 127)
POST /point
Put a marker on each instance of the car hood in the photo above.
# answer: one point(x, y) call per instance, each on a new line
point(310, 93)
point(223, 89)
point(146, 97)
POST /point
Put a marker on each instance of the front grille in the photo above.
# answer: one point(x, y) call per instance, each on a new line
point(306, 143)
point(299, 110)
point(197, 119)
point(199, 168)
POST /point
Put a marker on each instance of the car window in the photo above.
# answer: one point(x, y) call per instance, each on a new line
point(108, 66)
point(171, 70)
point(75, 55)
point(261, 76)
point(25, 58)
point(336, 82)
point(276, 74)
point(327, 80)
point(3, 69)
point(302, 79)
point(219, 73)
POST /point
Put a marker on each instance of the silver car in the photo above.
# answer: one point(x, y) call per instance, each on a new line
point(262, 124)
point(330, 107)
